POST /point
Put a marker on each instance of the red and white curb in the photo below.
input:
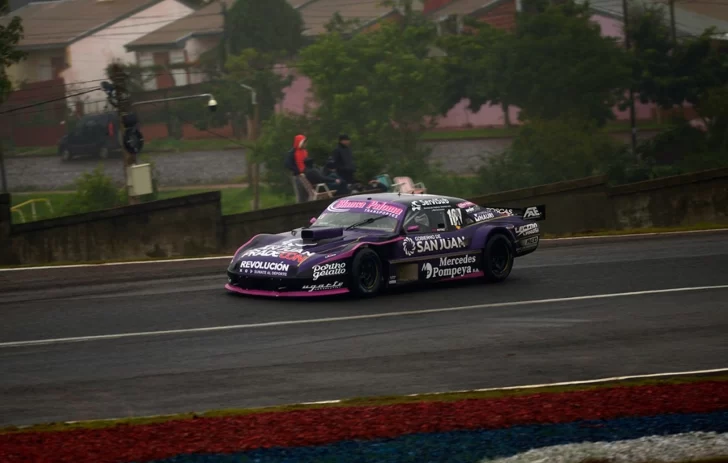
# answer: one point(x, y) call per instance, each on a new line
point(495, 389)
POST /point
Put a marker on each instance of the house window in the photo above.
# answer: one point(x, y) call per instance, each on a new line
point(176, 58)
point(146, 60)
point(450, 25)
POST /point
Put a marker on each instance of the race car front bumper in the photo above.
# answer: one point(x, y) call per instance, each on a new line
point(281, 287)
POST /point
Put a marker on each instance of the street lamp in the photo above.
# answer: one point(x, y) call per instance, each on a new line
point(212, 103)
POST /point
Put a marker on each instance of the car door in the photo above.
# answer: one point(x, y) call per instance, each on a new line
point(436, 245)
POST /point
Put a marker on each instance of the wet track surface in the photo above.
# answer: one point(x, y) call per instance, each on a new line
point(303, 355)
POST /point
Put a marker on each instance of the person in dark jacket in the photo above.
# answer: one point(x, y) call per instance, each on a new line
point(315, 176)
point(344, 159)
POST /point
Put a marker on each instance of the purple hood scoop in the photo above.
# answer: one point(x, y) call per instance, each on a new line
point(316, 234)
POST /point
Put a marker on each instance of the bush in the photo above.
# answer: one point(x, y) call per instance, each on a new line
point(94, 191)
point(549, 151)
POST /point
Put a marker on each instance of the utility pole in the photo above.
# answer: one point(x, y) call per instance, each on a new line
point(224, 47)
point(673, 29)
point(123, 106)
point(628, 45)
point(255, 129)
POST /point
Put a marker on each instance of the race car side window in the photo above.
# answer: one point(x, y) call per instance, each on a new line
point(428, 220)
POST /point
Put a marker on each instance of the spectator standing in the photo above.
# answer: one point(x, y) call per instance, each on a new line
point(343, 159)
point(295, 164)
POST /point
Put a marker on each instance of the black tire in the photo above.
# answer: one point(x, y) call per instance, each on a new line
point(498, 257)
point(366, 274)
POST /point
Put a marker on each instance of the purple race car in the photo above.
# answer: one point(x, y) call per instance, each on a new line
point(365, 243)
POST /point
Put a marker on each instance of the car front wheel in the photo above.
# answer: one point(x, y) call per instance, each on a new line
point(366, 274)
point(497, 259)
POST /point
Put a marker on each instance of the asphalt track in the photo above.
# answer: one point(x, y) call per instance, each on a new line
point(303, 355)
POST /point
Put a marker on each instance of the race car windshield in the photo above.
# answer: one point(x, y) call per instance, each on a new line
point(365, 221)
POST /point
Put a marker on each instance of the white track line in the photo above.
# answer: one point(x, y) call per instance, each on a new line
point(200, 259)
point(507, 388)
point(42, 342)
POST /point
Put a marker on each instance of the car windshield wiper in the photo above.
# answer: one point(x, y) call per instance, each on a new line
point(365, 222)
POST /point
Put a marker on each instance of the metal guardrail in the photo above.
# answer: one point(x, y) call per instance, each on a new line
point(32, 203)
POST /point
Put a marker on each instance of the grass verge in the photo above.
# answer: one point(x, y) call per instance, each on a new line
point(234, 201)
point(370, 401)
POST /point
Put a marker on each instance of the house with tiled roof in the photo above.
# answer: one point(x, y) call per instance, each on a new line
point(75, 40)
point(181, 43)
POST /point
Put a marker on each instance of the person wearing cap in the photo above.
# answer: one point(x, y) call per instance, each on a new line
point(343, 159)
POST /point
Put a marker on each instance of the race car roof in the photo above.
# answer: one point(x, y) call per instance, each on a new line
point(401, 198)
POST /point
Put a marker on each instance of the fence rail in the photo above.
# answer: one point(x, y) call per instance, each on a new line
point(32, 202)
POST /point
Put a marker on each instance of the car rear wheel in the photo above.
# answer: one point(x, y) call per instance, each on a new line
point(497, 259)
point(366, 274)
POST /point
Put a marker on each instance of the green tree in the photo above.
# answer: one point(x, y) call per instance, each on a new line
point(548, 151)
point(672, 73)
point(10, 34)
point(563, 66)
point(267, 26)
point(479, 67)
point(382, 88)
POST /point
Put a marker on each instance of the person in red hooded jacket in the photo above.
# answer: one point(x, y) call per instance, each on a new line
point(301, 153)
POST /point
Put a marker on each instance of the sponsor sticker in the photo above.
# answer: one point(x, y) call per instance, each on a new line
point(264, 268)
point(527, 230)
point(379, 207)
point(501, 211)
point(432, 243)
point(450, 267)
point(482, 216)
point(529, 243)
point(374, 207)
point(291, 250)
point(532, 213)
point(324, 287)
point(466, 204)
point(429, 203)
point(455, 216)
point(334, 268)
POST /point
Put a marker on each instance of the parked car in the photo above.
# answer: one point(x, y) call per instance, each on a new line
point(93, 135)
point(363, 244)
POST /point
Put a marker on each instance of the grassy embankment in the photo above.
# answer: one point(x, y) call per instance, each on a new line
point(234, 200)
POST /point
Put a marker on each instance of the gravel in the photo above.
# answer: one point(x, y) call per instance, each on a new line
point(675, 448)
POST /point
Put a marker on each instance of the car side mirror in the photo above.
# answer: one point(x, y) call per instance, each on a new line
point(312, 221)
point(413, 228)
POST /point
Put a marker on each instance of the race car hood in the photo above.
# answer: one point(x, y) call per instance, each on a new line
point(297, 252)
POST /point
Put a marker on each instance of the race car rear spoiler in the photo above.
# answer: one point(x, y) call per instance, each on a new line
point(537, 213)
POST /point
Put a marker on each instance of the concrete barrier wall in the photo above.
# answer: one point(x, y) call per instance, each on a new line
point(5, 222)
point(700, 197)
point(193, 225)
point(186, 226)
